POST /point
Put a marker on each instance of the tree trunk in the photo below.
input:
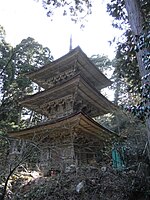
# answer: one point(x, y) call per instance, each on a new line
point(136, 21)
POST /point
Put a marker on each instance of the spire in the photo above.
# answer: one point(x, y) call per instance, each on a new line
point(70, 48)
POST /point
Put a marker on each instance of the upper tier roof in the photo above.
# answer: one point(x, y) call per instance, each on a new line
point(77, 61)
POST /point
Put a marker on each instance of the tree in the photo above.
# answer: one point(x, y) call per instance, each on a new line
point(27, 151)
point(14, 63)
point(126, 77)
point(6, 74)
point(140, 30)
point(102, 62)
point(137, 15)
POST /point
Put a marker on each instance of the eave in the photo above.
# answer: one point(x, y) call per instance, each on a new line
point(75, 58)
point(78, 88)
point(75, 122)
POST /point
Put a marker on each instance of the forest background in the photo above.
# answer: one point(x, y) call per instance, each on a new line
point(131, 86)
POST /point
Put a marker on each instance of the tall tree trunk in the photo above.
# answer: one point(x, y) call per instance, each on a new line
point(136, 21)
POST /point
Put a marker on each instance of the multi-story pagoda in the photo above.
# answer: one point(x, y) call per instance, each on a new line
point(70, 100)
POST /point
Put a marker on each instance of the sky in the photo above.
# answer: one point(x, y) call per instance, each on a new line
point(27, 18)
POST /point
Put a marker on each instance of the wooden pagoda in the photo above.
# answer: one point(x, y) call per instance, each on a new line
point(70, 100)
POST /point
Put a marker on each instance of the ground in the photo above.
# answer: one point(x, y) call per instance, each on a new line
point(86, 183)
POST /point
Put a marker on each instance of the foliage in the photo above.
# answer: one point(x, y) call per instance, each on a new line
point(116, 8)
point(129, 70)
point(102, 62)
point(14, 63)
point(142, 110)
point(77, 9)
point(126, 78)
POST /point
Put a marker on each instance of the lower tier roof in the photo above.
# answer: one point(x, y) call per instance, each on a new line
point(75, 123)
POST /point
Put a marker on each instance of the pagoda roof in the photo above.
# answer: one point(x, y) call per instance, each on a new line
point(79, 122)
point(76, 58)
point(77, 87)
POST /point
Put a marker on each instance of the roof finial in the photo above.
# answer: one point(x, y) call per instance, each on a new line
point(70, 48)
